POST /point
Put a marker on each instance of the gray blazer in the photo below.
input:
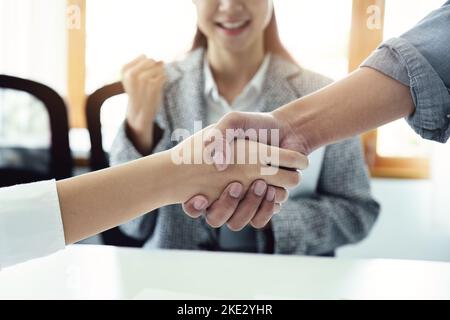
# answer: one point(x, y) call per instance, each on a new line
point(341, 210)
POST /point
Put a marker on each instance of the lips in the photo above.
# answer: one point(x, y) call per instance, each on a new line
point(233, 27)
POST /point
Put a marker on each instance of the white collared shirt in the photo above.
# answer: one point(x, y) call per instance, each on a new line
point(217, 106)
point(246, 101)
point(30, 222)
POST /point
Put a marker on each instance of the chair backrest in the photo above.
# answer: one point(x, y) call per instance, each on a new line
point(99, 159)
point(13, 176)
point(61, 164)
point(94, 103)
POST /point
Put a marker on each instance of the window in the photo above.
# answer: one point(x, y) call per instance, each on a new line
point(406, 143)
point(326, 36)
point(116, 32)
point(317, 33)
point(33, 47)
point(23, 120)
point(398, 151)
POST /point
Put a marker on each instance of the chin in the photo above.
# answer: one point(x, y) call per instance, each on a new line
point(236, 46)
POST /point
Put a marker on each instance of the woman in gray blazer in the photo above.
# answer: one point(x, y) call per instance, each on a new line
point(238, 63)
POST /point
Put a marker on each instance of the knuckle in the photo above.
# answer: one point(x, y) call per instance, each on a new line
point(142, 77)
point(229, 203)
point(126, 74)
point(132, 74)
point(232, 118)
point(151, 81)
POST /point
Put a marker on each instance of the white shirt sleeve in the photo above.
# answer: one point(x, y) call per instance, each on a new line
point(30, 222)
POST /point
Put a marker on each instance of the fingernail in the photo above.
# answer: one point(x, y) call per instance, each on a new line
point(200, 204)
point(277, 210)
point(236, 190)
point(260, 188)
point(270, 196)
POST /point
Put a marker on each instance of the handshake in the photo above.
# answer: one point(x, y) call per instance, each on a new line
point(240, 175)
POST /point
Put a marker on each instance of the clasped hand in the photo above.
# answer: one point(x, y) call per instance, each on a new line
point(252, 191)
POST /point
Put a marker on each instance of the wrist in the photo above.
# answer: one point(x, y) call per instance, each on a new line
point(141, 136)
point(172, 179)
point(296, 132)
point(178, 180)
point(189, 176)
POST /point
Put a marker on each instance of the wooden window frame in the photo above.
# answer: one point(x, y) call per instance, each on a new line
point(362, 42)
point(76, 68)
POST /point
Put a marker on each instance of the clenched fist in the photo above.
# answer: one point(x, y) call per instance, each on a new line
point(143, 80)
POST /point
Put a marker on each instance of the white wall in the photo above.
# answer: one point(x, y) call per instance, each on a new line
point(408, 227)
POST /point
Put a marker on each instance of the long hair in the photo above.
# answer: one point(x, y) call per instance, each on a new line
point(272, 41)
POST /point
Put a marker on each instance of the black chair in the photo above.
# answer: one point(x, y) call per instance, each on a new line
point(99, 158)
point(59, 163)
point(13, 176)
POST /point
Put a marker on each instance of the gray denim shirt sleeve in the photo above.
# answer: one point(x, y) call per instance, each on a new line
point(420, 59)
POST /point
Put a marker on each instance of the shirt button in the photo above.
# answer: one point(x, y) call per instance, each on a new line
point(448, 116)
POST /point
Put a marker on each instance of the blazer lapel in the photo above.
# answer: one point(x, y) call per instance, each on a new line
point(186, 98)
point(278, 89)
point(187, 101)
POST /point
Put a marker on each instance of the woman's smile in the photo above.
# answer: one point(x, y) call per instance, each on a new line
point(233, 28)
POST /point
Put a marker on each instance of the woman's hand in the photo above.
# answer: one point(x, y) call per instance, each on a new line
point(143, 80)
point(251, 201)
point(260, 169)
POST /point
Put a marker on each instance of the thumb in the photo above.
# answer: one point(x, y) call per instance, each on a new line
point(220, 137)
point(239, 125)
point(195, 206)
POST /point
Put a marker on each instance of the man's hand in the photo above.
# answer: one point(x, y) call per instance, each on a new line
point(363, 100)
point(269, 128)
point(238, 207)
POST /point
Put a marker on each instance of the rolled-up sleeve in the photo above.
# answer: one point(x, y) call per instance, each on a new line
point(420, 59)
point(30, 222)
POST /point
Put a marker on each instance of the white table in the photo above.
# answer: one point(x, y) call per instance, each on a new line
point(91, 272)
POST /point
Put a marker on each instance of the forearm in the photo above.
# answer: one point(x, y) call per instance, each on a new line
point(101, 200)
point(364, 100)
point(141, 136)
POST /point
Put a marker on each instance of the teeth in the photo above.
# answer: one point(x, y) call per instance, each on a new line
point(233, 25)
